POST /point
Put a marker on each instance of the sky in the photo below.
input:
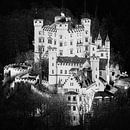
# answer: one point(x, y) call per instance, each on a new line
point(104, 6)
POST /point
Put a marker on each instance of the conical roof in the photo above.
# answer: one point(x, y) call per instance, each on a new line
point(99, 37)
point(107, 38)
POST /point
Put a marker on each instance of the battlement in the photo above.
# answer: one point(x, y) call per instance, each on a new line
point(38, 22)
point(16, 68)
point(85, 21)
point(62, 26)
point(26, 80)
point(94, 58)
point(70, 64)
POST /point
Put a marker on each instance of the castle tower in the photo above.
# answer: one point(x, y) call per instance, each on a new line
point(99, 41)
point(52, 66)
point(87, 30)
point(107, 46)
point(94, 61)
point(38, 23)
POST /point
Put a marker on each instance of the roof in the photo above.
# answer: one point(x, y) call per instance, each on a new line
point(107, 38)
point(74, 69)
point(71, 93)
point(101, 93)
point(102, 80)
point(102, 64)
point(99, 37)
point(75, 60)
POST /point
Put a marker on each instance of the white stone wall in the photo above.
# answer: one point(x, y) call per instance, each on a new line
point(94, 61)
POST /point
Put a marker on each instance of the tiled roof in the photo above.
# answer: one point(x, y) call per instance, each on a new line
point(101, 93)
point(102, 64)
point(71, 93)
point(74, 69)
point(75, 60)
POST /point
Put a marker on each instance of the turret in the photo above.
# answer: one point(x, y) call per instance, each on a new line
point(107, 45)
point(107, 42)
point(52, 66)
point(38, 23)
point(87, 29)
point(99, 41)
point(94, 61)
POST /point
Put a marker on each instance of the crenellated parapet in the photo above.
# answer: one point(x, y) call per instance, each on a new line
point(15, 69)
point(26, 80)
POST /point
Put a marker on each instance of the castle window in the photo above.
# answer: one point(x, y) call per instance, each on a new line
point(101, 54)
point(69, 98)
point(52, 64)
point(86, 48)
point(71, 35)
point(41, 39)
point(74, 98)
point(60, 36)
point(86, 31)
point(74, 108)
point(100, 73)
point(93, 48)
point(113, 73)
point(74, 118)
point(52, 71)
point(71, 43)
point(61, 71)
point(71, 84)
point(41, 33)
point(52, 58)
point(86, 39)
point(54, 42)
point(61, 52)
point(96, 76)
point(55, 34)
point(80, 98)
point(61, 44)
point(65, 71)
point(71, 51)
point(43, 49)
point(49, 41)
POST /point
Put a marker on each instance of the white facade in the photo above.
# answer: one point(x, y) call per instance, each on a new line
point(69, 41)
point(79, 97)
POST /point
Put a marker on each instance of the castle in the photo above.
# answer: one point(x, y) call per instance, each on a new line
point(70, 46)
point(76, 63)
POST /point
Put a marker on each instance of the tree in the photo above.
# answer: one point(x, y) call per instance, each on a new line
point(58, 112)
point(111, 115)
